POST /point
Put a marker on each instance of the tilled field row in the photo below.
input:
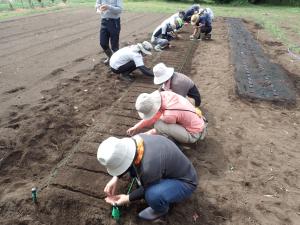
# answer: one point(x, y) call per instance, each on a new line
point(35, 43)
point(80, 171)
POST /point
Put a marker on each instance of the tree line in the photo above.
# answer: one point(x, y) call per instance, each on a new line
point(271, 2)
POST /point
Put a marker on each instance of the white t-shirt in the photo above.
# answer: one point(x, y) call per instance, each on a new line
point(124, 55)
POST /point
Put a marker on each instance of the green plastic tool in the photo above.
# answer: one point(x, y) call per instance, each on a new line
point(34, 195)
point(115, 212)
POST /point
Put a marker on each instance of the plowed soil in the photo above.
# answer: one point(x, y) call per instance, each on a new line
point(58, 102)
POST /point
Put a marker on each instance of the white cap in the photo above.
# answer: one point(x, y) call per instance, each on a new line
point(148, 105)
point(145, 47)
point(162, 73)
point(116, 154)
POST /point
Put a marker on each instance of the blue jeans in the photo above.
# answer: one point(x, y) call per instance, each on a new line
point(166, 191)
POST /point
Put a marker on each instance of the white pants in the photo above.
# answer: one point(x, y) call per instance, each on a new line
point(176, 131)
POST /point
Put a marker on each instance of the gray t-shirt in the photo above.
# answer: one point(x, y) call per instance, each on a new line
point(181, 84)
point(162, 159)
point(114, 8)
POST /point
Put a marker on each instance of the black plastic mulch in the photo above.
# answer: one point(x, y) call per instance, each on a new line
point(256, 77)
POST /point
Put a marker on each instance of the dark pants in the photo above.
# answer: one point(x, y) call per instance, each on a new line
point(194, 93)
point(206, 29)
point(126, 68)
point(110, 31)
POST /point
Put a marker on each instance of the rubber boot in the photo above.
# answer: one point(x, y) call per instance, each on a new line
point(108, 53)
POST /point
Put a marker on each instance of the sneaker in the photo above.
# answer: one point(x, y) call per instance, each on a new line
point(158, 48)
point(126, 77)
point(106, 61)
point(207, 36)
point(150, 214)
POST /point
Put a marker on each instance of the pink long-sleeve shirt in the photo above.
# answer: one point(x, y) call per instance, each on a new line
point(170, 100)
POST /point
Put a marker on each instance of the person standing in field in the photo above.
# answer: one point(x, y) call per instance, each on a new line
point(110, 11)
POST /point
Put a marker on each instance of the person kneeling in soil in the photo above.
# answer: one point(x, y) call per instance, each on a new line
point(171, 114)
point(176, 82)
point(156, 170)
point(202, 25)
point(166, 32)
point(127, 59)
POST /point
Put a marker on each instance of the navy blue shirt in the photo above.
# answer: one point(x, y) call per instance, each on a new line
point(205, 19)
point(189, 12)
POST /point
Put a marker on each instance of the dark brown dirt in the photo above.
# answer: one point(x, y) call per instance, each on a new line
point(58, 103)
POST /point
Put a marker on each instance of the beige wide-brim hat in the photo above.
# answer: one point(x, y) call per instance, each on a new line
point(162, 73)
point(145, 47)
point(194, 19)
point(116, 154)
point(148, 105)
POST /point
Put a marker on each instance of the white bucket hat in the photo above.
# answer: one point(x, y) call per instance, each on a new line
point(148, 105)
point(162, 73)
point(116, 154)
point(145, 47)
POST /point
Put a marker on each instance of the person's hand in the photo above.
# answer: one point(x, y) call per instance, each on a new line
point(103, 7)
point(111, 187)
point(132, 131)
point(117, 199)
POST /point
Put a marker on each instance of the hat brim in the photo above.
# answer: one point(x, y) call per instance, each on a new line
point(127, 159)
point(156, 106)
point(144, 50)
point(168, 74)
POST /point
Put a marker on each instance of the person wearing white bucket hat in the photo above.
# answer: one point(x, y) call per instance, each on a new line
point(171, 114)
point(176, 82)
point(155, 168)
point(129, 58)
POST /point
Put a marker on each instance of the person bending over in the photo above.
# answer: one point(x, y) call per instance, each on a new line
point(202, 26)
point(171, 114)
point(166, 32)
point(129, 58)
point(176, 82)
point(164, 174)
